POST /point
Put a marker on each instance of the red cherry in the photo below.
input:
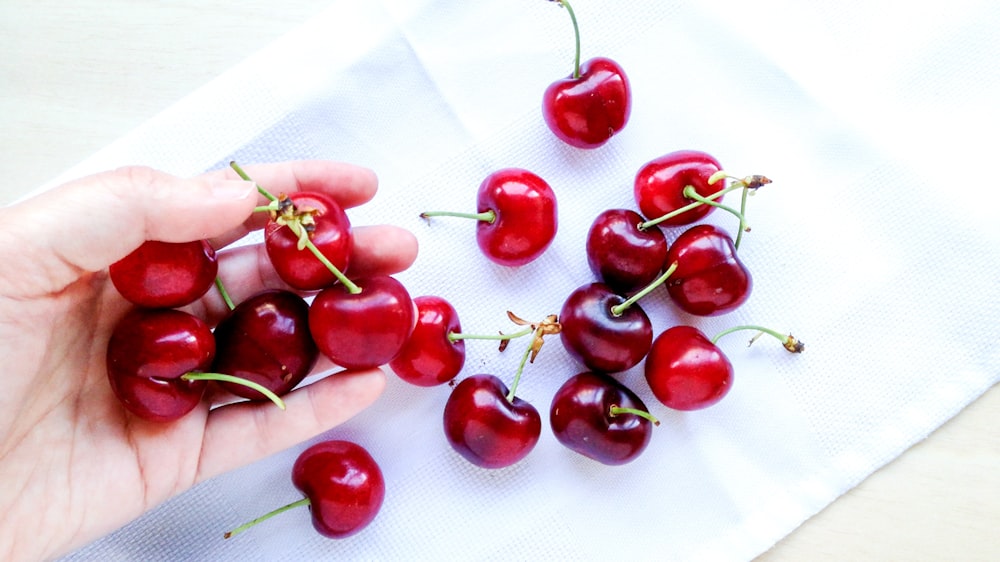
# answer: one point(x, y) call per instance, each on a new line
point(430, 357)
point(710, 278)
point(328, 229)
point(487, 426)
point(365, 329)
point(344, 485)
point(165, 274)
point(623, 256)
point(587, 108)
point(148, 353)
point(266, 339)
point(599, 337)
point(600, 418)
point(660, 183)
point(686, 371)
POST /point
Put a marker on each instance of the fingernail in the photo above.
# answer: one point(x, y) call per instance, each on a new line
point(232, 189)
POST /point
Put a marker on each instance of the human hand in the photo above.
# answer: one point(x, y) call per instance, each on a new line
point(74, 465)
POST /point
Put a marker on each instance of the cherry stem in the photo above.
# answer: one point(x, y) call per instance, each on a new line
point(224, 293)
point(616, 410)
point(454, 337)
point(486, 216)
point(751, 182)
point(517, 375)
point(790, 342)
point(220, 377)
point(576, 32)
point(301, 235)
point(691, 193)
point(743, 213)
point(620, 309)
point(265, 517)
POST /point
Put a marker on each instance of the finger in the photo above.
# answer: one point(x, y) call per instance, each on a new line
point(246, 270)
point(93, 222)
point(347, 184)
point(242, 433)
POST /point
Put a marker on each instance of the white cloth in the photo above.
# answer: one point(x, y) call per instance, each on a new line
point(876, 245)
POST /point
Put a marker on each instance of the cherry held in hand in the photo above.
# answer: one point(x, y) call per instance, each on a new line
point(517, 216)
point(319, 218)
point(165, 274)
point(592, 104)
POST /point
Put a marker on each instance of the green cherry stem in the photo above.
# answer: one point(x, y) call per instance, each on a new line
point(239, 171)
point(220, 377)
point(454, 337)
point(265, 517)
point(790, 342)
point(224, 293)
point(743, 213)
point(517, 375)
point(620, 309)
point(616, 410)
point(486, 216)
point(576, 32)
point(691, 193)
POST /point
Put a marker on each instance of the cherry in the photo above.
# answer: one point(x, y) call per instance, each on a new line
point(660, 184)
point(687, 371)
point(710, 278)
point(431, 356)
point(266, 339)
point(489, 426)
point(343, 485)
point(148, 354)
point(592, 104)
point(600, 418)
point(362, 329)
point(165, 274)
point(622, 255)
point(517, 218)
point(315, 217)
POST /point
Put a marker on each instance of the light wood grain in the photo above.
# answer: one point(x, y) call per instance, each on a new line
point(76, 76)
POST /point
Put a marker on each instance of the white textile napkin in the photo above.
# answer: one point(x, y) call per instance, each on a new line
point(876, 245)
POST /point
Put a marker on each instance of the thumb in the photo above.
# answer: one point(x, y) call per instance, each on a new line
point(90, 223)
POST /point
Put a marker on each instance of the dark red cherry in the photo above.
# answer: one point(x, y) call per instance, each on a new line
point(486, 426)
point(600, 418)
point(686, 371)
point(598, 337)
point(329, 230)
point(429, 357)
point(363, 330)
point(148, 353)
point(344, 485)
point(586, 109)
point(659, 185)
point(621, 255)
point(165, 274)
point(266, 339)
point(710, 279)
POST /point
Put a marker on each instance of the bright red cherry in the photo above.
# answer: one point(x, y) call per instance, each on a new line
point(600, 336)
point(623, 256)
point(660, 184)
point(365, 329)
point(686, 371)
point(344, 485)
point(710, 279)
point(165, 274)
point(266, 339)
point(148, 353)
point(600, 418)
point(322, 219)
point(430, 357)
point(592, 104)
point(487, 426)
point(517, 216)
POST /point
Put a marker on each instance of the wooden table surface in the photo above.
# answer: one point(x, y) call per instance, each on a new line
point(76, 76)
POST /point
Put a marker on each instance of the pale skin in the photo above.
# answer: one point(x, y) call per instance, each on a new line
point(74, 465)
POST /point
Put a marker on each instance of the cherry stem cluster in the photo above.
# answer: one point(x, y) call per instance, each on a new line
point(221, 377)
point(300, 233)
point(265, 517)
point(576, 33)
point(620, 309)
point(790, 342)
